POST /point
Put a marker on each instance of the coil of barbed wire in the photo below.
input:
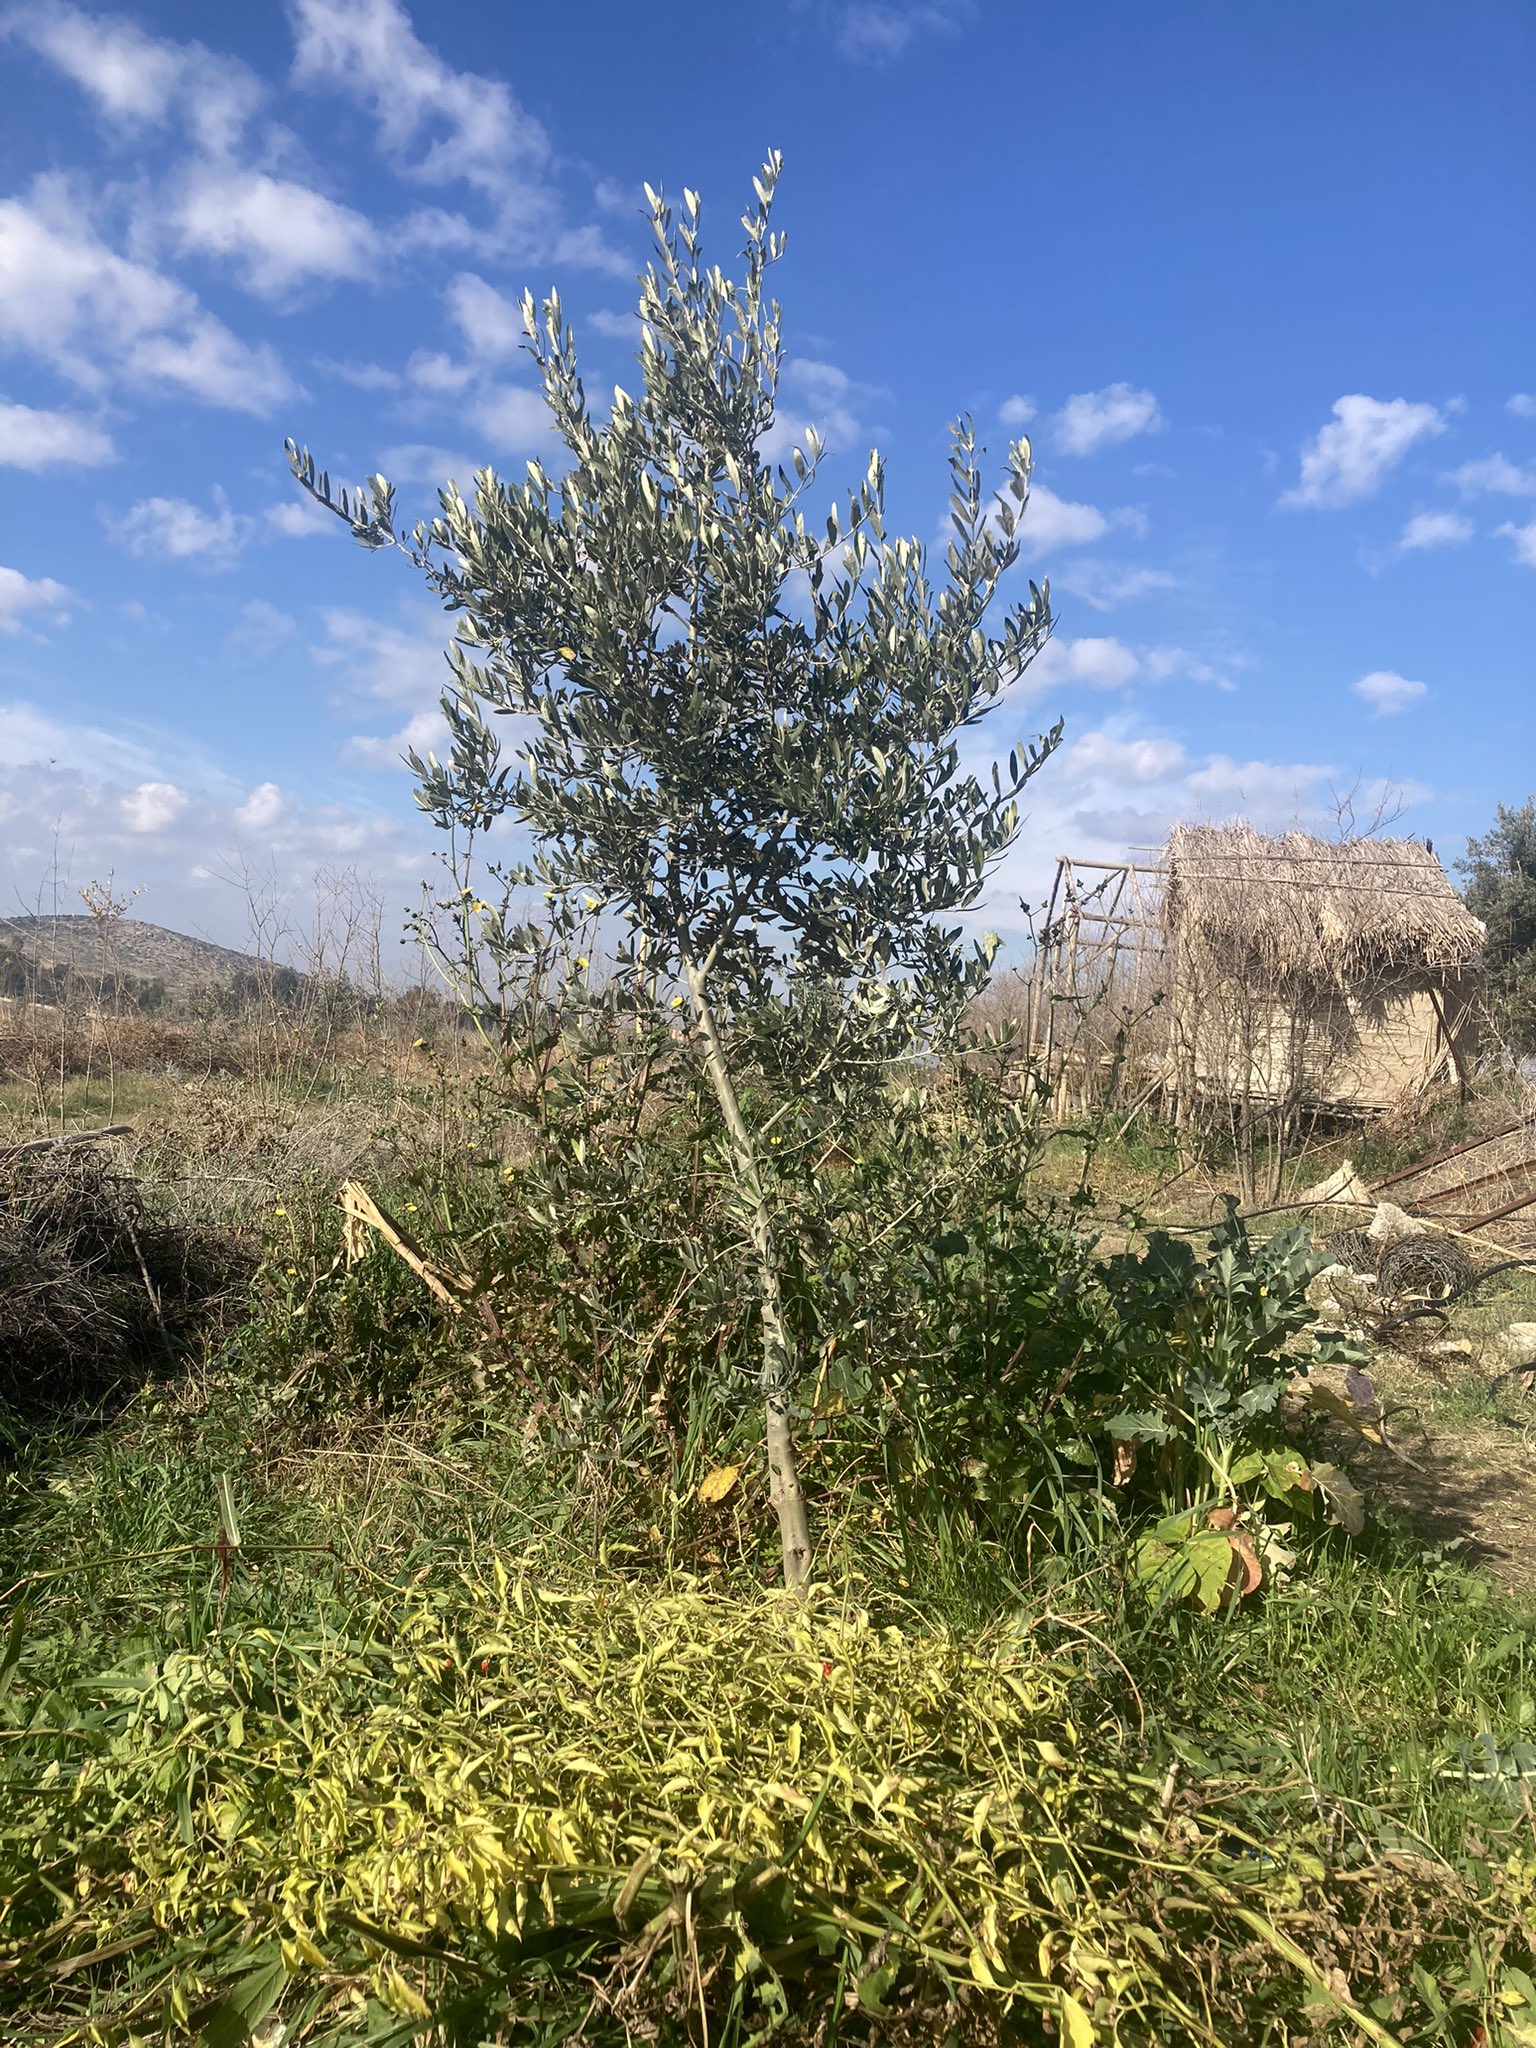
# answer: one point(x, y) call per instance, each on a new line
point(1356, 1249)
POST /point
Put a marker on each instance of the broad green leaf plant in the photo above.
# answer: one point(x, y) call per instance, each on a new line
point(739, 729)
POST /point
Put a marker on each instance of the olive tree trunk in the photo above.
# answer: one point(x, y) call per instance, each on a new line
point(777, 1378)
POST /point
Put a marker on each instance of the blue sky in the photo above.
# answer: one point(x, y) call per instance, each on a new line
point(1258, 281)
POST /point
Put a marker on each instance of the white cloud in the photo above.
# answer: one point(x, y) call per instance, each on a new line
point(30, 439)
point(362, 376)
point(1348, 458)
point(431, 370)
point(1135, 761)
point(1495, 474)
point(278, 232)
point(875, 31)
point(1524, 538)
point(492, 326)
point(301, 519)
point(1091, 420)
point(1053, 522)
point(1116, 787)
point(819, 395)
point(1523, 405)
point(153, 806)
point(423, 732)
point(421, 462)
point(1387, 692)
point(97, 317)
point(262, 808)
point(1017, 411)
point(1095, 662)
point(180, 530)
point(261, 630)
point(437, 124)
point(136, 80)
point(616, 326)
point(1272, 793)
point(20, 594)
point(176, 823)
point(1105, 585)
point(404, 666)
point(1435, 530)
point(1161, 663)
point(515, 420)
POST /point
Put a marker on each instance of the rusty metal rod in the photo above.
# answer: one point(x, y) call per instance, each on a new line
point(1453, 1152)
point(1484, 1180)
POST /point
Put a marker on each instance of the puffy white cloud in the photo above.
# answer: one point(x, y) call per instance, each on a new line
point(404, 666)
point(1106, 584)
point(422, 462)
point(1161, 663)
point(616, 326)
point(819, 395)
point(492, 326)
point(279, 233)
point(180, 530)
point(1495, 475)
point(262, 808)
point(174, 822)
point(20, 595)
point(1388, 692)
point(30, 439)
point(1017, 411)
point(875, 31)
point(431, 370)
point(436, 123)
point(137, 80)
point(1053, 522)
point(1524, 538)
point(98, 317)
point(1274, 794)
point(1347, 459)
point(423, 732)
point(300, 518)
point(153, 806)
point(515, 420)
point(1100, 754)
point(1523, 405)
point(1435, 530)
point(587, 248)
point(1091, 420)
point(1094, 662)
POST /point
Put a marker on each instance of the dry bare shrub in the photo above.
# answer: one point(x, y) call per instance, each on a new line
point(97, 1287)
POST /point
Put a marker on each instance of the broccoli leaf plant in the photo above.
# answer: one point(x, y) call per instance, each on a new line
point(740, 730)
point(1200, 1350)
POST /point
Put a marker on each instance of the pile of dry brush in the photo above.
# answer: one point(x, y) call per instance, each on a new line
point(98, 1288)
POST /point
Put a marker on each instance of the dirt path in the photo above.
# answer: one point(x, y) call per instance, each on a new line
point(1464, 1467)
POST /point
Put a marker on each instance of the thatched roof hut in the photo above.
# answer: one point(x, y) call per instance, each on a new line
point(1337, 971)
point(1315, 909)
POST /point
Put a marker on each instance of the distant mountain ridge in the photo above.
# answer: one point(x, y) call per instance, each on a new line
point(129, 949)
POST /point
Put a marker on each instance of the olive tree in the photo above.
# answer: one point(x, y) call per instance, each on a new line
point(740, 731)
point(1499, 872)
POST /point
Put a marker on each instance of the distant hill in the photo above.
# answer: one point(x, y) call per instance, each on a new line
point(130, 951)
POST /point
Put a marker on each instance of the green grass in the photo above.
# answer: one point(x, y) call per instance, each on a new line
point(1348, 1759)
point(1346, 1719)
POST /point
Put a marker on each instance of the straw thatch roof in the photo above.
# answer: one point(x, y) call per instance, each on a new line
point(1299, 908)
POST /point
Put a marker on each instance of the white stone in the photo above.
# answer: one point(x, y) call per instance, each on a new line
point(1391, 1223)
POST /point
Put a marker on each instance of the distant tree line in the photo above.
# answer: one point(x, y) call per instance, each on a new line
point(332, 1000)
